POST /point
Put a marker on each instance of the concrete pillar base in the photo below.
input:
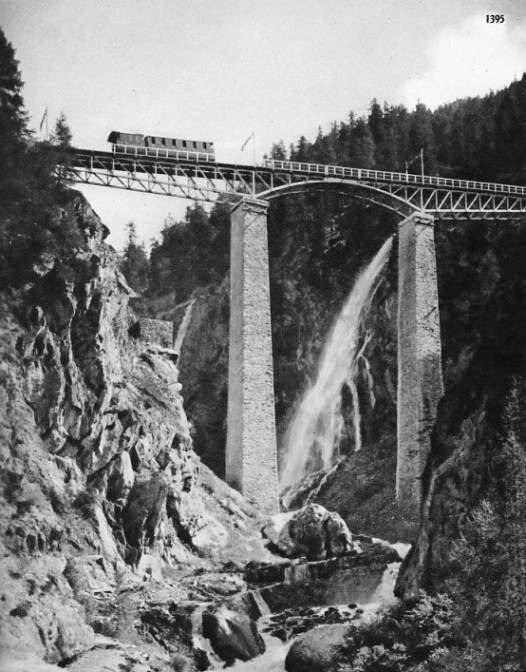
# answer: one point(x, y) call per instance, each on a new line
point(420, 384)
point(251, 453)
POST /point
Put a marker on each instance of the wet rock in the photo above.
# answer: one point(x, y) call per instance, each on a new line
point(232, 635)
point(317, 649)
point(252, 604)
point(280, 633)
point(293, 622)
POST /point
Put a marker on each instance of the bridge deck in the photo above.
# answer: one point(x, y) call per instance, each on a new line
point(204, 180)
point(138, 162)
point(381, 176)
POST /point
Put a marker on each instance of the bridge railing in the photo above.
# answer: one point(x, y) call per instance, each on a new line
point(159, 153)
point(385, 176)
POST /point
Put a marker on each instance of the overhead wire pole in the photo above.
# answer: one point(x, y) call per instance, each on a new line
point(45, 118)
point(252, 137)
point(422, 176)
point(420, 156)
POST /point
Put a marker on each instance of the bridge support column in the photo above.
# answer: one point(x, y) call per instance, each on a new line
point(420, 384)
point(251, 453)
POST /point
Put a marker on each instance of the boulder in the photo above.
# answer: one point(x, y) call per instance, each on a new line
point(317, 650)
point(232, 635)
point(312, 532)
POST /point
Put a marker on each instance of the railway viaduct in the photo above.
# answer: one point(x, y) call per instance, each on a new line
point(418, 200)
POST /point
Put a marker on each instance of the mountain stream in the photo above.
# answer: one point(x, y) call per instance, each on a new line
point(273, 660)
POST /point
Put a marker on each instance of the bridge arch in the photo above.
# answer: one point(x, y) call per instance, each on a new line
point(344, 187)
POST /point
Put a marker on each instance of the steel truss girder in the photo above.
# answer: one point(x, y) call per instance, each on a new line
point(404, 199)
point(192, 181)
point(206, 181)
point(443, 203)
point(150, 184)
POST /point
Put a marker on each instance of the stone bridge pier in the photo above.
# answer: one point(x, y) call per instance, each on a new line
point(420, 384)
point(251, 452)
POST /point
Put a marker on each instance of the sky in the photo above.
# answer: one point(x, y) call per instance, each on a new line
point(220, 70)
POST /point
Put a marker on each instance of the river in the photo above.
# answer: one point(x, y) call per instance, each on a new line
point(273, 660)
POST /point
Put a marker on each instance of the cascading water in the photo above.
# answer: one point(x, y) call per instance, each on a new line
point(273, 660)
point(316, 428)
point(183, 327)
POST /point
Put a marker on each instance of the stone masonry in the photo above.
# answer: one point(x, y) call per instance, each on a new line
point(420, 384)
point(251, 453)
point(159, 332)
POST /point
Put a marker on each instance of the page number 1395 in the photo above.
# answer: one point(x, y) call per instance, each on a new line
point(494, 18)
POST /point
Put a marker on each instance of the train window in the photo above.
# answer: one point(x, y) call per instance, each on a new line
point(164, 141)
point(173, 143)
point(195, 145)
point(184, 144)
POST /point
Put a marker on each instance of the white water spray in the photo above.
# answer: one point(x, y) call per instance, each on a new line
point(317, 425)
point(183, 327)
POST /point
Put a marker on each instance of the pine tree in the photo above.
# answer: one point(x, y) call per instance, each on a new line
point(13, 117)
point(490, 586)
point(134, 264)
point(362, 149)
point(278, 151)
point(62, 135)
point(421, 137)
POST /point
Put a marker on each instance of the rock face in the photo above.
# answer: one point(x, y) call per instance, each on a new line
point(100, 489)
point(204, 347)
point(317, 650)
point(312, 532)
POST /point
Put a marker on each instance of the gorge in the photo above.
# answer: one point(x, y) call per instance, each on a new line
point(124, 550)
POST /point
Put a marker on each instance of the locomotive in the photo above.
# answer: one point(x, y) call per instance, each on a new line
point(136, 144)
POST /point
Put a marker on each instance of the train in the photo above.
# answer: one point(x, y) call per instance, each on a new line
point(136, 144)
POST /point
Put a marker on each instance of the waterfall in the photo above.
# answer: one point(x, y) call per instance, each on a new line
point(316, 428)
point(183, 327)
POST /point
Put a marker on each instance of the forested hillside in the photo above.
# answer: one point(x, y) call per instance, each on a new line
point(482, 138)
point(478, 138)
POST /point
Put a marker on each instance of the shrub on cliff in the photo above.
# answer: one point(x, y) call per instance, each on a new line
point(489, 587)
point(407, 634)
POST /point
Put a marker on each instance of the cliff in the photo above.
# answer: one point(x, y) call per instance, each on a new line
point(105, 508)
point(316, 249)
